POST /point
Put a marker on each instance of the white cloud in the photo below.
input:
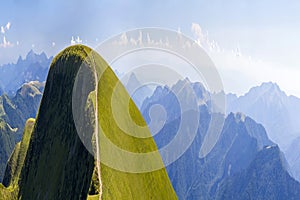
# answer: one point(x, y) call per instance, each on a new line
point(240, 72)
point(179, 30)
point(197, 31)
point(5, 43)
point(143, 39)
point(76, 41)
point(203, 39)
point(72, 41)
point(124, 39)
point(53, 44)
point(5, 28)
point(8, 25)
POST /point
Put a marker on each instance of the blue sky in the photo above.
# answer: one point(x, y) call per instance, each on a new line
point(265, 32)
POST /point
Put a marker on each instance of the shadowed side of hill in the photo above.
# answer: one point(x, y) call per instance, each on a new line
point(9, 189)
point(57, 165)
point(16, 160)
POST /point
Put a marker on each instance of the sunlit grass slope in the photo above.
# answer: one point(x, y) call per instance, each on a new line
point(116, 110)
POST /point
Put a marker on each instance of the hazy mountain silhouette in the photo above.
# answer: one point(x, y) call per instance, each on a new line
point(277, 112)
point(34, 67)
point(239, 145)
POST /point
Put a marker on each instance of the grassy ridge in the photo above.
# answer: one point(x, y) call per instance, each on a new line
point(57, 165)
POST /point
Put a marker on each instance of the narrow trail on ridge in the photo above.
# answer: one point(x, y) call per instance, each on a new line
point(97, 130)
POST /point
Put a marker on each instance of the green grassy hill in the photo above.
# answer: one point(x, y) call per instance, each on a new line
point(57, 164)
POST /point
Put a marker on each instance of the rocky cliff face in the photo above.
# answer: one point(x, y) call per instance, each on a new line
point(264, 178)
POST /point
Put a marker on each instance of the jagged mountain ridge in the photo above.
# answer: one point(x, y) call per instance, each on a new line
point(34, 67)
point(279, 114)
point(238, 146)
point(270, 106)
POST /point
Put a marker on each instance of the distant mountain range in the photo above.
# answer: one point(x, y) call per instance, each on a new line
point(270, 106)
point(34, 67)
point(229, 171)
point(278, 113)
